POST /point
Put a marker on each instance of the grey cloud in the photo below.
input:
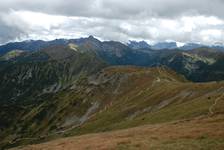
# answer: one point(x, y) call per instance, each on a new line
point(113, 19)
point(11, 29)
point(8, 33)
point(118, 8)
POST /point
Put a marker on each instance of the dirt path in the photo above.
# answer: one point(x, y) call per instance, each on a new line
point(211, 108)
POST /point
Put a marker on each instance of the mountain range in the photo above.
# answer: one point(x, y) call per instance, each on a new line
point(33, 45)
point(63, 88)
point(199, 64)
point(172, 45)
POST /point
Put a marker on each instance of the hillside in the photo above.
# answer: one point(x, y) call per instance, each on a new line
point(46, 71)
point(88, 86)
point(115, 98)
point(199, 64)
point(187, 134)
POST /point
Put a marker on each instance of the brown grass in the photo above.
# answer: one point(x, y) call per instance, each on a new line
point(199, 133)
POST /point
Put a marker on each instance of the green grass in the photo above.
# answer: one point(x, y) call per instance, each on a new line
point(135, 94)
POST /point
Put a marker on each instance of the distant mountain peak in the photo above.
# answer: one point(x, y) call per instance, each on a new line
point(91, 37)
point(164, 45)
point(36, 45)
point(138, 44)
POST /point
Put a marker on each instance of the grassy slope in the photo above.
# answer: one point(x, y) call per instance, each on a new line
point(194, 134)
point(127, 97)
point(155, 96)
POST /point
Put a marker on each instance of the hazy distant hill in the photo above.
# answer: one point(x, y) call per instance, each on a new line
point(205, 65)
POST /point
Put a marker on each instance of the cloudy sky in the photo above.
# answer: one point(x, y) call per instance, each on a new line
point(152, 20)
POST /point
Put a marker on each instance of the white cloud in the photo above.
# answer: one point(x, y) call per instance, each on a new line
point(212, 36)
point(150, 20)
point(39, 20)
